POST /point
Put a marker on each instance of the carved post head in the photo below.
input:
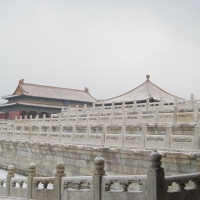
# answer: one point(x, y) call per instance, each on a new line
point(113, 105)
point(99, 166)
point(10, 174)
point(32, 169)
point(60, 169)
point(155, 161)
point(11, 170)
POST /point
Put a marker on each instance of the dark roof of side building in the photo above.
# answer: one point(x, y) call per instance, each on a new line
point(43, 91)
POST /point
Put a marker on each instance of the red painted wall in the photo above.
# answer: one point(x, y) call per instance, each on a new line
point(12, 114)
point(3, 115)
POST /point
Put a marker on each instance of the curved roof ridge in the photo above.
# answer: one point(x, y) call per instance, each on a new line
point(145, 90)
point(126, 92)
point(51, 87)
point(165, 91)
point(91, 96)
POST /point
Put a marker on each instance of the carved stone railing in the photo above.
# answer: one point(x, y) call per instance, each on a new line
point(43, 187)
point(125, 114)
point(153, 186)
point(43, 183)
point(18, 187)
point(3, 186)
point(187, 185)
point(159, 136)
point(79, 187)
point(127, 106)
point(4, 121)
point(129, 187)
point(126, 117)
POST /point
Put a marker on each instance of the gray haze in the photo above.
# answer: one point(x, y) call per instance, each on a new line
point(106, 45)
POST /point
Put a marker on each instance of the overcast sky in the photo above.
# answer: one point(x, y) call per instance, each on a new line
point(106, 45)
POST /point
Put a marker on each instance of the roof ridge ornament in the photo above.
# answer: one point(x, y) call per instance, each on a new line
point(86, 90)
point(148, 76)
point(21, 81)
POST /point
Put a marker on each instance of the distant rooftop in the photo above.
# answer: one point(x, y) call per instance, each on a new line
point(146, 90)
point(51, 92)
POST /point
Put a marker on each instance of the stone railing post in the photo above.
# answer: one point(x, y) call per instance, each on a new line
point(67, 118)
point(103, 137)
point(156, 115)
point(11, 170)
point(97, 177)
point(122, 134)
point(51, 120)
point(161, 103)
point(196, 113)
point(192, 101)
point(73, 133)
point(134, 105)
point(196, 144)
point(112, 106)
point(14, 131)
point(36, 118)
point(155, 178)
point(62, 110)
point(59, 120)
point(31, 174)
point(60, 172)
point(93, 107)
point(84, 109)
point(68, 111)
point(88, 131)
point(60, 134)
point(39, 132)
point(102, 108)
point(49, 130)
point(176, 102)
point(99, 117)
point(143, 137)
point(29, 132)
point(123, 107)
point(140, 116)
point(21, 132)
point(111, 116)
point(31, 117)
point(175, 115)
point(77, 112)
point(147, 104)
point(168, 137)
point(87, 120)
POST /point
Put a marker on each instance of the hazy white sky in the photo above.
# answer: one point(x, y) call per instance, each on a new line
point(106, 45)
